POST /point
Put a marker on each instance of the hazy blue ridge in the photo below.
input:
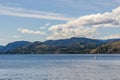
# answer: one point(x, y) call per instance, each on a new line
point(13, 45)
point(73, 45)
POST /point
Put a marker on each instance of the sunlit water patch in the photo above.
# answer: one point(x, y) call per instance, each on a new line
point(59, 67)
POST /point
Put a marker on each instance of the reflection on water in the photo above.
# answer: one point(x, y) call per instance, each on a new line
point(59, 67)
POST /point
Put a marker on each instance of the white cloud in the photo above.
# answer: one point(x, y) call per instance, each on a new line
point(113, 36)
point(28, 31)
point(21, 12)
point(2, 39)
point(45, 26)
point(42, 27)
point(86, 26)
point(16, 36)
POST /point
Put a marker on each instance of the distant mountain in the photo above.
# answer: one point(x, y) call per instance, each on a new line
point(111, 47)
point(33, 48)
point(68, 42)
point(113, 40)
point(1, 48)
point(73, 45)
point(14, 45)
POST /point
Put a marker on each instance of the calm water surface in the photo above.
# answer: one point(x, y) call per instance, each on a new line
point(60, 67)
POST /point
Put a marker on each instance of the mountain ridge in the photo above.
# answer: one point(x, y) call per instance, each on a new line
point(111, 47)
point(75, 45)
point(13, 45)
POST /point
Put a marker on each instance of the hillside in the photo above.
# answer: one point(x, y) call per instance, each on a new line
point(69, 42)
point(66, 46)
point(73, 45)
point(1, 48)
point(13, 45)
point(111, 47)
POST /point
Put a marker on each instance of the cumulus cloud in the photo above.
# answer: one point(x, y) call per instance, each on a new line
point(2, 39)
point(28, 31)
point(16, 36)
point(86, 26)
point(113, 36)
point(45, 26)
point(21, 12)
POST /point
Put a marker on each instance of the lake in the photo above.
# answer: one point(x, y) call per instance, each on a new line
point(60, 67)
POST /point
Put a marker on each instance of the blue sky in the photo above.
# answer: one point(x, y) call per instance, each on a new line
point(40, 20)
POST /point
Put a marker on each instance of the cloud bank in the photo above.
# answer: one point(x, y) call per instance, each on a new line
point(86, 26)
point(113, 36)
point(28, 31)
point(20, 12)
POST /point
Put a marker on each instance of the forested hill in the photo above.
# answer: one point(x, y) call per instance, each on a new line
point(73, 45)
point(111, 47)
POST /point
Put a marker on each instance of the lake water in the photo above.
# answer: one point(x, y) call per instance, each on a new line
point(60, 67)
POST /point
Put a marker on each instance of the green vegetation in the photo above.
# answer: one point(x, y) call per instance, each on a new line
point(63, 46)
point(41, 48)
point(112, 47)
